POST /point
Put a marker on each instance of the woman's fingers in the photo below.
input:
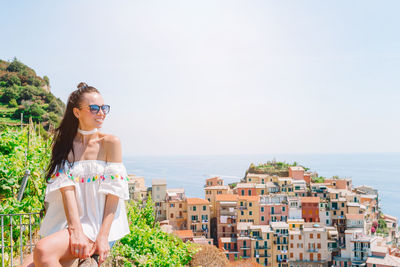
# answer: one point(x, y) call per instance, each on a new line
point(85, 253)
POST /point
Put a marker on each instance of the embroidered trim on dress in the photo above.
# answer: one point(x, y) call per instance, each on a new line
point(90, 179)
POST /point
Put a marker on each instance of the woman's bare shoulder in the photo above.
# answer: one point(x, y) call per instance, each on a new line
point(112, 146)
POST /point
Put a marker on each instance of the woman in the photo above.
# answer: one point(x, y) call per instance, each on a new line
point(87, 186)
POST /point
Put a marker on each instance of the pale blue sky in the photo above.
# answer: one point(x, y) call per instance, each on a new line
point(223, 77)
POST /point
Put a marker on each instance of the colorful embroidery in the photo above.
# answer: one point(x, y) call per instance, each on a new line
point(90, 179)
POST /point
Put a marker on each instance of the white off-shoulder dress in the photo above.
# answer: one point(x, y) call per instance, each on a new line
point(93, 180)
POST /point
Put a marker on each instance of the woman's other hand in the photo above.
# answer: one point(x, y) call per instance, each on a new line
point(102, 248)
point(81, 246)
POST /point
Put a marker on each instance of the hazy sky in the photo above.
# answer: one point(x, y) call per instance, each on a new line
point(223, 77)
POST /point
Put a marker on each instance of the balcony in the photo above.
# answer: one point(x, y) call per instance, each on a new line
point(243, 207)
point(244, 247)
point(312, 250)
point(364, 249)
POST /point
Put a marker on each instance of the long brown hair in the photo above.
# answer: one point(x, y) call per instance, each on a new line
point(65, 133)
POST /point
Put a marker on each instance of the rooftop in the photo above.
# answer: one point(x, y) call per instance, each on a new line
point(388, 260)
point(249, 198)
point(226, 197)
point(355, 216)
point(279, 225)
point(158, 182)
point(309, 199)
point(197, 201)
point(216, 187)
point(183, 233)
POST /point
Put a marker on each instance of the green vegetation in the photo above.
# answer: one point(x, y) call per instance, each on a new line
point(147, 244)
point(13, 164)
point(320, 179)
point(22, 91)
point(273, 168)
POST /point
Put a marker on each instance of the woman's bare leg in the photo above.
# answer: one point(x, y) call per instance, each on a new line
point(53, 250)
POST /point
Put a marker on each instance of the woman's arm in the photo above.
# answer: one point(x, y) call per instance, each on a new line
point(114, 154)
point(81, 246)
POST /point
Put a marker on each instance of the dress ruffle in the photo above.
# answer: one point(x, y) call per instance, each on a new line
point(115, 181)
point(58, 180)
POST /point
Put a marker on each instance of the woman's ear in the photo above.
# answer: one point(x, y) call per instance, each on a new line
point(76, 112)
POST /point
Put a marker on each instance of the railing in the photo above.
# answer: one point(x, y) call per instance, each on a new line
point(17, 236)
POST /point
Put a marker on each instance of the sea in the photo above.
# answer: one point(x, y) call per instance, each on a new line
point(379, 170)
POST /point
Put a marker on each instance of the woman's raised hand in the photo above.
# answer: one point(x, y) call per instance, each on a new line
point(81, 246)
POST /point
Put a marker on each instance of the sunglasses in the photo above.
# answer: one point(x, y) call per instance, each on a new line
point(94, 109)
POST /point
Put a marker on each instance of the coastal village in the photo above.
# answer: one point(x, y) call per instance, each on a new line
point(280, 215)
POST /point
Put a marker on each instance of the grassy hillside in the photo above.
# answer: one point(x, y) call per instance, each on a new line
point(22, 91)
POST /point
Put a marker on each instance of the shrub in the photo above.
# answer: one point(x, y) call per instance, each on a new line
point(147, 244)
point(209, 256)
point(13, 79)
point(9, 93)
point(13, 103)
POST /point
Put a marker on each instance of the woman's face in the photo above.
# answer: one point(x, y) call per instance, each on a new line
point(87, 120)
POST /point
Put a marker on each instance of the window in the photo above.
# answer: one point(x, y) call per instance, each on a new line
point(180, 205)
point(250, 204)
point(262, 209)
point(291, 237)
point(241, 212)
point(283, 209)
point(242, 192)
point(319, 245)
point(262, 192)
point(204, 208)
point(250, 213)
point(249, 192)
point(318, 235)
point(172, 215)
point(262, 218)
point(291, 245)
point(194, 208)
point(241, 203)
point(342, 204)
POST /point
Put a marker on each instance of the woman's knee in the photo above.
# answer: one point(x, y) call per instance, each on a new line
point(41, 251)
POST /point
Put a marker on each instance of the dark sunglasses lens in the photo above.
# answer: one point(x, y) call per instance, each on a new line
point(105, 109)
point(94, 109)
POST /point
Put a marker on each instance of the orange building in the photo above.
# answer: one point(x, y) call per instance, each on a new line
point(296, 172)
point(226, 215)
point(310, 209)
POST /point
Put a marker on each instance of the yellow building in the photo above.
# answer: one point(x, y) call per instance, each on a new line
point(211, 193)
point(198, 216)
point(280, 245)
point(261, 244)
point(295, 224)
point(176, 206)
point(258, 178)
point(249, 209)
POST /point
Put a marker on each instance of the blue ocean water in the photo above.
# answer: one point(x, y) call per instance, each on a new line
point(379, 170)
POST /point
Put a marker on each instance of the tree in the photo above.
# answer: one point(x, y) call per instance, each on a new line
point(46, 80)
point(15, 66)
point(10, 93)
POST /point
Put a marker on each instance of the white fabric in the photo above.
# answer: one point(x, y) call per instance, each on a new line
point(93, 180)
